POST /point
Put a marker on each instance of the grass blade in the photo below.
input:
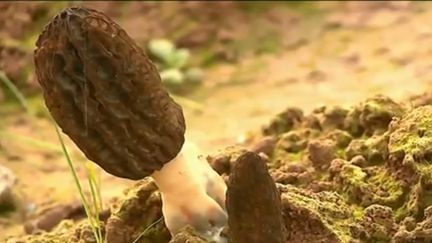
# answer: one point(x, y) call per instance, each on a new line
point(96, 198)
point(78, 184)
point(31, 141)
point(14, 90)
point(147, 229)
point(95, 180)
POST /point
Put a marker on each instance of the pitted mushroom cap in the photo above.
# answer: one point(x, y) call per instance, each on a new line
point(106, 95)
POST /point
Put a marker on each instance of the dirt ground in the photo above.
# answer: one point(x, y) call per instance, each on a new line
point(332, 53)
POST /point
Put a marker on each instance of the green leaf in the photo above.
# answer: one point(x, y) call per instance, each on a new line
point(162, 49)
point(172, 77)
point(178, 58)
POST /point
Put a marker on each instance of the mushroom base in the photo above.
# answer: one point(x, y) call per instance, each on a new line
point(192, 194)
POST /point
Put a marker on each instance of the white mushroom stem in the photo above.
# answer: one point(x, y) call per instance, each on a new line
point(192, 194)
point(179, 176)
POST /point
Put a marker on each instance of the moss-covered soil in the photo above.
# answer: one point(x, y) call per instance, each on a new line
point(361, 174)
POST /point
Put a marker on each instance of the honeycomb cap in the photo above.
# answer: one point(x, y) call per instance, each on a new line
point(106, 95)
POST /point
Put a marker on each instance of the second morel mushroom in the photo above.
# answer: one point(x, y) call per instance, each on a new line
point(106, 95)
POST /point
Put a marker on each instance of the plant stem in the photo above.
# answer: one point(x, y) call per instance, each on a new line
point(14, 90)
point(78, 184)
point(95, 192)
point(146, 229)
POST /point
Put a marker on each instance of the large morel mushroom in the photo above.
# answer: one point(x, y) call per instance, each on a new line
point(106, 95)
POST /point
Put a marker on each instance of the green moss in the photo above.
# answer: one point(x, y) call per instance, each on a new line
point(378, 224)
point(413, 133)
point(375, 185)
point(377, 129)
point(373, 149)
point(291, 146)
point(410, 147)
point(372, 116)
point(136, 212)
point(295, 156)
point(333, 117)
point(410, 207)
point(389, 191)
point(295, 141)
point(66, 232)
point(282, 157)
point(358, 212)
point(351, 178)
point(340, 153)
point(420, 196)
point(326, 212)
point(284, 121)
point(342, 138)
point(352, 123)
point(352, 174)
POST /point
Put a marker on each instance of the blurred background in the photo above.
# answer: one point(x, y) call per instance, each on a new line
point(231, 65)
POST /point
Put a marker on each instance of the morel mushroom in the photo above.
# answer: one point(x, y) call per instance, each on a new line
point(253, 202)
point(107, 96)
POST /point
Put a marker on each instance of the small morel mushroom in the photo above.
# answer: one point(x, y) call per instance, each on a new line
point(106, 95)
point(253, 203)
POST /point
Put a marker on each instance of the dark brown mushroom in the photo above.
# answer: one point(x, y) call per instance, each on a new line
point(253, 203)
point(106, 95)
